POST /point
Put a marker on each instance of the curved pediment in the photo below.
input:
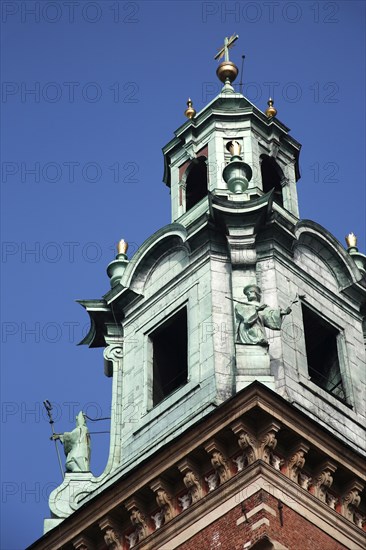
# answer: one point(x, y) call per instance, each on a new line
point(157, 249)
point(166, 267)
point(318, 247)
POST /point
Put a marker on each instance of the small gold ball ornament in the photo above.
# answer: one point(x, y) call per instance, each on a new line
point(271, 111)
point(190, 112)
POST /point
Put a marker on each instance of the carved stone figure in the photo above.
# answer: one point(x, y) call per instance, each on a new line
point(331, 501)
point(253, 317)
point(132, 539)
point(304, 480)
point(212, 481)
point(158, 519)
point(277, 462)
point(76, 446)
point(239, 461)
point(185, 501)
point(359, 519)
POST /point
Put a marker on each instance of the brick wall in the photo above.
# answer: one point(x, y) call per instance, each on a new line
point(232, 532)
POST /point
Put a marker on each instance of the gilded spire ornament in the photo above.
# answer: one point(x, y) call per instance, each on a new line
point(122, 247)
point(117, 267)
point(351, 241)
point(227, 71)
point(190, 112)
point(270, 111)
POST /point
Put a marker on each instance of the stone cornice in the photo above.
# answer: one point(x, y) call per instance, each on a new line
point(237, 489)
point(274, 415)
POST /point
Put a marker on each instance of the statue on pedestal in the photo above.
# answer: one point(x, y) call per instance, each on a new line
point(253, 317)
point(76, 446)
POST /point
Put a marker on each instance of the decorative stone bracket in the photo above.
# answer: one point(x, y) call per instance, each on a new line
point(113, 354)
point(191, 479)
point(111, 533)
point(83, 543)
point(296, 461)
point(351, 500)
point(323, 480)
point(137, 517)
point(163, 499)
point(219, 461)
point(258, 447)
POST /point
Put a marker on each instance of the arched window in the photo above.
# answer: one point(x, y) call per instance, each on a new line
point(272, 176)
point(263, 544)
point(196, 182)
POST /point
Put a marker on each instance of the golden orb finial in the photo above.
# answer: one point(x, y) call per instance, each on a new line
point(190, 112)
point(122, 247)
point(351, 240)
point(270, 111)
point(227, 71)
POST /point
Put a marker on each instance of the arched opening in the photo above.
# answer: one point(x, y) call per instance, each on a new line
point(272, 176)
point(263, 544)
point(196, 181)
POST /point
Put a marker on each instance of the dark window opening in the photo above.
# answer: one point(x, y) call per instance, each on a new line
point(272, 176)
point(322, 353)
point(170, 352)
point(263, 544)
point(196, 183)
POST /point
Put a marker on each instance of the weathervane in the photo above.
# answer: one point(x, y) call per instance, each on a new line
point(227, 71)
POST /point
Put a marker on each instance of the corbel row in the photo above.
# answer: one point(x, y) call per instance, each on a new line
point(253, 447)
point(262, 447)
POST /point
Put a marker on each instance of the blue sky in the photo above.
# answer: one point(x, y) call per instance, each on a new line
point(82, 167)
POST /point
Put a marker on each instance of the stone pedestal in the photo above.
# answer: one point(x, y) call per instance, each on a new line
point(50, 524)
point(252, 363)
point(64, 499)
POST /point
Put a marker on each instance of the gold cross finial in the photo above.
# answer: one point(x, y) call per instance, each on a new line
point(224, 51)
